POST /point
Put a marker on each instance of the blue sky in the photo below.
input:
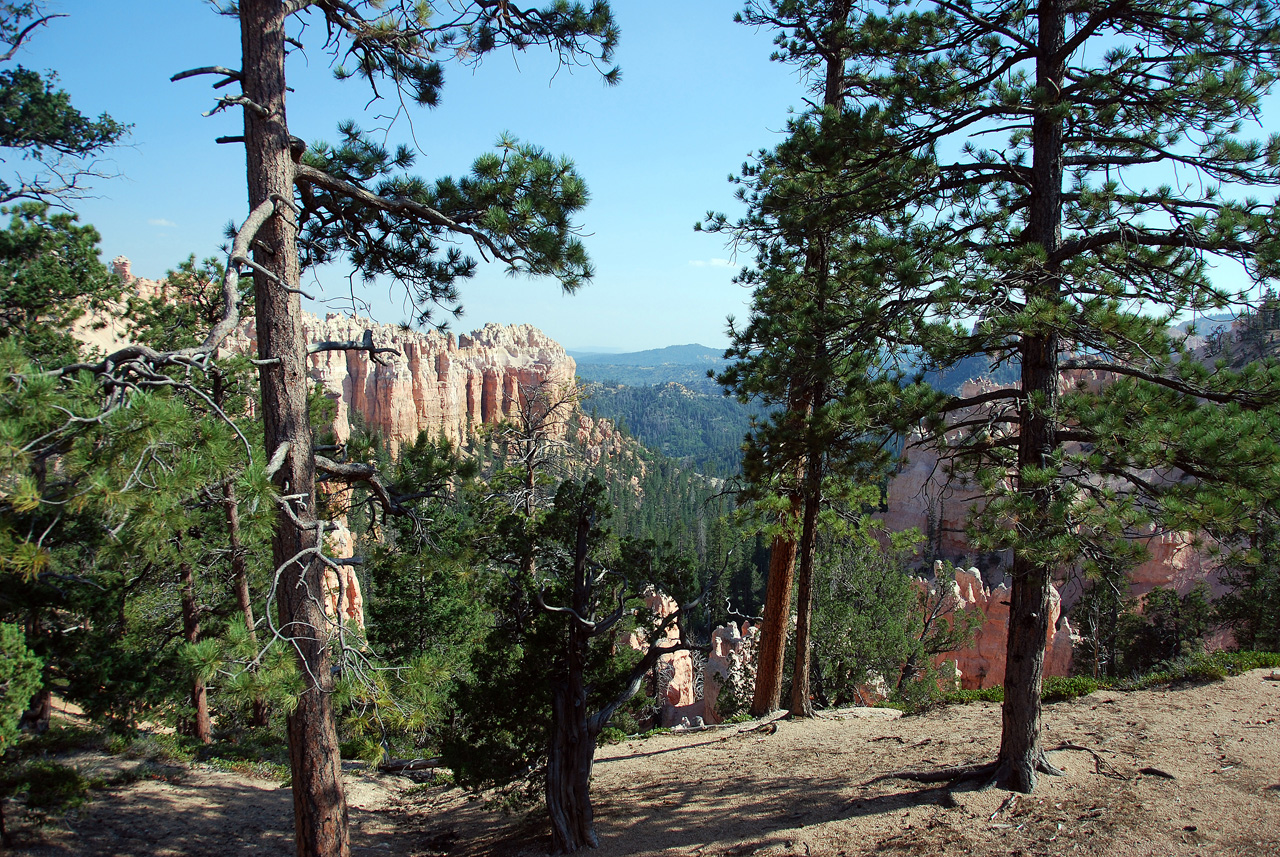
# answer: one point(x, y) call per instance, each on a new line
point(698, 94)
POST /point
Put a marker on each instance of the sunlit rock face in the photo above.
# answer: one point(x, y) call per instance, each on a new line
point(433, 381)
point(982, 663)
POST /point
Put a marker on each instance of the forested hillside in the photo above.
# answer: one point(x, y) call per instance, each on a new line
point(702, 430)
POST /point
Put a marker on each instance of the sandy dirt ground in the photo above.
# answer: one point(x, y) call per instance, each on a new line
point(1178, 772)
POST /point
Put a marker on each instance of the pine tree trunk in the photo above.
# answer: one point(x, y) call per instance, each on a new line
point(40, 708)
point(776, 621)
point(1021, 754)
point(801, 699)
point(319, 803)
point(199, 727)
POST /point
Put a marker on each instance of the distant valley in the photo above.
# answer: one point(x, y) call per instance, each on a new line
point(664, 399)
point(686, 365)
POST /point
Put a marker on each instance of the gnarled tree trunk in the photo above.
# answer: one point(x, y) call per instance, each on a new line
point(569, 761)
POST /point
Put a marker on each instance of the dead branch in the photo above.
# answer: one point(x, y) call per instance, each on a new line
point(365, 344)
point(400, 766)
point(366, 473)
point(26, 31)
point(237, 101)
point(230, 74)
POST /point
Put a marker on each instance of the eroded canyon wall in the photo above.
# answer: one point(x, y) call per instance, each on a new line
point(434, 382)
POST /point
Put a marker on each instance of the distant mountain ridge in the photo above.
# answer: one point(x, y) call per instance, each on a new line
point(682, 364)
point(671, 354)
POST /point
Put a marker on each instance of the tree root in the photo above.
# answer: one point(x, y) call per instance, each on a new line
point(1100, 765)
point(990, 773)
point(952, 775)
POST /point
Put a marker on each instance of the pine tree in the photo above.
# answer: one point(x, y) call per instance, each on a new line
point(50, 277)
point(814, 279)
point(1015, 156)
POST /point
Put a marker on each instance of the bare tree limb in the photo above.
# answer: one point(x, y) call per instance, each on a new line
point(26, 31)
point(365, 344)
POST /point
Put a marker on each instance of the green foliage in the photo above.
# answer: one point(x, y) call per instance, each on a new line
point(46, 787)
point(611, 735)
point(62, 737)
point(50, 276)
point(1170, 626)
point(518, 201)
point(865, 623)
point(929, 687)
point(873, 627)
point(38, 121)
point(1199, 668)
point(162, 748)
point(1193, 669)
point(1251, 608)
point(1061, 688)
point(260, 752)
point(19, 680)
point(503, 706)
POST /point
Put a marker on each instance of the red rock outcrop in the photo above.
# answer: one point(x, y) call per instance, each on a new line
point(435, 382)
point(982, 663)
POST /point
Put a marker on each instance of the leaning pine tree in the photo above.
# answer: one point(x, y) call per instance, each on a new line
point(310, 206)
point(1068, 171)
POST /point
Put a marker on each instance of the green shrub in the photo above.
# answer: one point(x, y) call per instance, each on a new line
point(19, 680)
point(1061, 688)
point(610, 735)
point(62, 738)
point(47, 787)
point(1200, 668)
point(363, 748)
point(254, 752)
point(163, 749)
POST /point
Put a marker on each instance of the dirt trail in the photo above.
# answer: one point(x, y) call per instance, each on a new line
point(804, 790)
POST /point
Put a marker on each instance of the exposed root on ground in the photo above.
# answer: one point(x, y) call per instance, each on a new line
point(1100, 765)
point(1009, 775)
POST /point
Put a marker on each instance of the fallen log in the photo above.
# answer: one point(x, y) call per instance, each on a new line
point(402, 766)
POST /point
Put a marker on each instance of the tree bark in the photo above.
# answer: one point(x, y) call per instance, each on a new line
point(199, 727)
point(40, 708)
point(777, 617)
point(816, 267)
point(320, 808)
point(801, 699)
point(1021, 755)
point(569, 761)
point(573, 744)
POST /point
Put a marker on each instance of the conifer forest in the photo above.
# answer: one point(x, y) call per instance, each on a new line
point(968, 541)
